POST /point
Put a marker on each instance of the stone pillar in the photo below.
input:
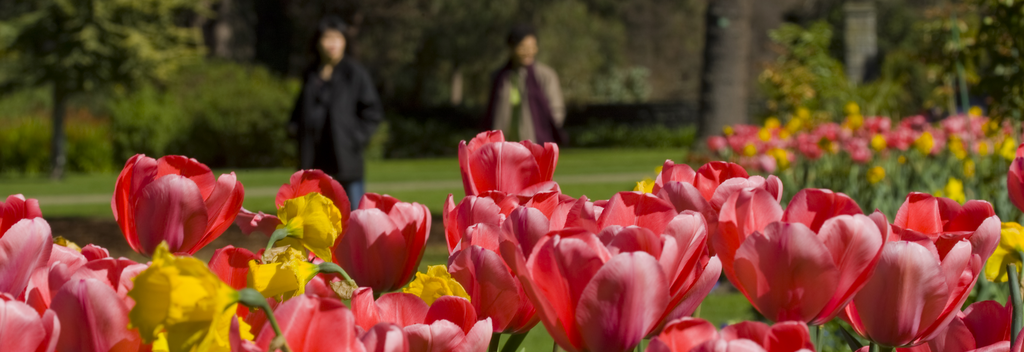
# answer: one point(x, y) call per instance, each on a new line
point(861, 40)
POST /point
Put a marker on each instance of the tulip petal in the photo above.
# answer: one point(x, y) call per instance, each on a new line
point(170, 209)
point(672, 172)
point(367, 249)
point(711, 175)
point(812, 207)
point(855, 244)
point(93, 317)
point(232, 265)
point(528, 225)
point(493, 291)
point(15, 209)
point(504, 166)
point(250, 222)
point(700, 289)
point(683, 335)
point(1015, 182)
point(403, 309)
point(189, 168)
point(25, 247)
point(222, 208)
point(138, 172)
point(441, 336)
point(746, 211)
point(385, 337)
point(307, 320)
point(22, 329)
point(788, 336)
point(622, 303)
point(786, 273)
point(633, 208)
point(920, 212)
point(988, 321)
point(908, 288)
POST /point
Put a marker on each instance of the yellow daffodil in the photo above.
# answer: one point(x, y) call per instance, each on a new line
point(983, 148)
point(975, 111)
point(954, 190)
point(772, 123)
point(645, 186)
point(764, 134)
point(969, 168)
point(61, 241)
point(876, 174)
point(180, 297)
point(728, 130)
point(794, 125)
point(312, 222)
point(853, 122)
point(1008, 149)
point(749, 150)
point(925, 143)
point(878, 142)
point(780, 156)
point(285, 272)
point(956, 147)
point(1011, 243)
point(434, 284)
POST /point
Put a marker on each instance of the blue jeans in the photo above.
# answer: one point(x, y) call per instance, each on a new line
point(354, 190)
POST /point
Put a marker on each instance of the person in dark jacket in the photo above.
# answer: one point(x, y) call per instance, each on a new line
point(337, 111)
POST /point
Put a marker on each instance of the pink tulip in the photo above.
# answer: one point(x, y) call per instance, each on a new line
point(1014, 180)
point(301, 183)
point(637, 209)
point(22, 329)
point(494, 292)
point(983, 326)
point(587, 298)
point(383, 242)
point(15, 209)
point(24, 249)
point(706, 190)
point(232, 265)
point(450, 324)
point(921, 282)
point(489, 163)
point(313, 324)
point(792, 272)
point(694, 334)
point(717, 144)
point(173, 199)
point(93, 317)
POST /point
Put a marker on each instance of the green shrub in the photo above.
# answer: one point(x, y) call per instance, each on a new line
point(223, 114)
point(608, 134)
point(25, 145)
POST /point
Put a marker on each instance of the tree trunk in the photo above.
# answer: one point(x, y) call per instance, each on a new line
point(456, 96)
point(58, 153)
point(724, 79)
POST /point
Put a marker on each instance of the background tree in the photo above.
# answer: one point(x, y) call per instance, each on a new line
point(725, 78)
point(76, 46)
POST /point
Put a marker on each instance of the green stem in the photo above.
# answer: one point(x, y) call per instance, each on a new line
point(879, 348)
point(1018, 317)
point(331, 268)
point(514, 341)
point(850, 340)
point(814, 330)
point(253, 299)
point(495, 342)
point(554, 347)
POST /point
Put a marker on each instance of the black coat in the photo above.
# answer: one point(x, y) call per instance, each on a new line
point(354, 110)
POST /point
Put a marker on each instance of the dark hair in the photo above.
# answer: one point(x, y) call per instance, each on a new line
point(328, 22)
point(519, 32)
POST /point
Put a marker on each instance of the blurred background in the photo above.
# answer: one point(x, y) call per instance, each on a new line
point(216, 80)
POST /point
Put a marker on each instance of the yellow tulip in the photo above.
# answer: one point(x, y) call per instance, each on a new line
point(1011, 243)
point(878, 143)
point(794, 125)
point(955, 190)
point(925, 143)
point(434, 284)
point(983, 148)
point(969, 168)
point(974, 111)
point(852, 108)
point(780, 156)
point(311, 222)
point(1008, 149)
point(764, 134)
point(853, 122)
point(772, 123)
point(728, 130)
point(645, 186)
point(749, 150)
point(803, 113)
point(876, 175)
point(285, 272)
point(956, 147)
point(181, 298)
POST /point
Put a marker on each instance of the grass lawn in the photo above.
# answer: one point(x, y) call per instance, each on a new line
point(597, 173)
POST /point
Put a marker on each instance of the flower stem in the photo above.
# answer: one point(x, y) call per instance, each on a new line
point(278, 235)
point(1018, 314)
point(513, 342)
point(554, 347)
point(879, 348)
point(495, 341)
point(253, 299)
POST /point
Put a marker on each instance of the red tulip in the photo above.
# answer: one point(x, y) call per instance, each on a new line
point(385, 337)
point(806, 270)
point(450, 324)
point(942, 219)
point(707, 190)
point(24, 249)
point(313, 324)
point(1014, 180)
point(173, 199)
point(694, 334)
point(93, 317)
point(983, 326)
point(383, 243)
point(587, 298)
point(920, 283)
point(22, 329)
point(15, 209)
point(489, 163)
point(639, 209)
point(232, 265)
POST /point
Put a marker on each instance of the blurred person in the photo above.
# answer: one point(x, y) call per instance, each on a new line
point(526, 99)
point(337, 111)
